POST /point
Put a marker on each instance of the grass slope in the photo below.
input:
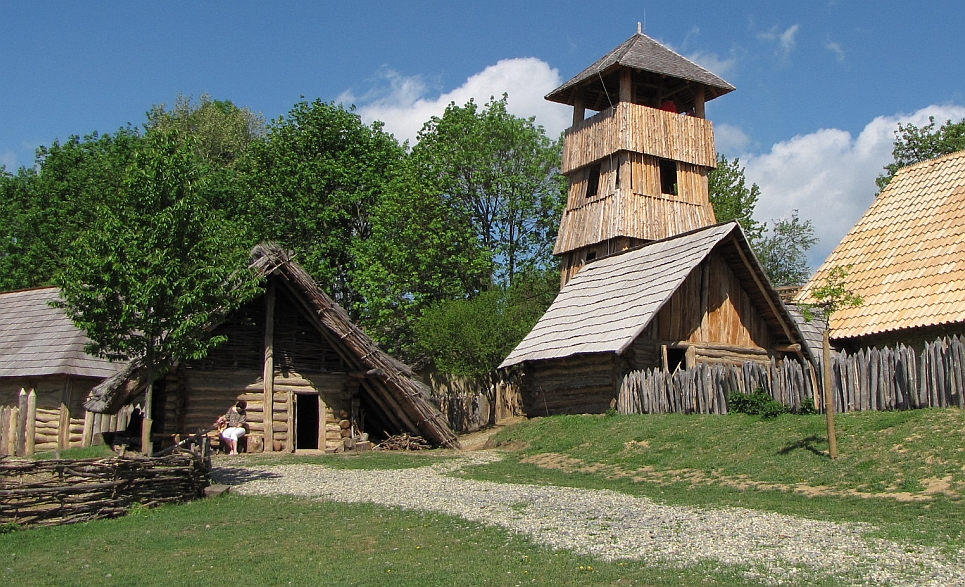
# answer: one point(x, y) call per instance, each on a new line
point(902, 471)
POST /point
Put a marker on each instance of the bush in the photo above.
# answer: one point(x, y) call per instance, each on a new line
point(807, 407)
point(758, 403)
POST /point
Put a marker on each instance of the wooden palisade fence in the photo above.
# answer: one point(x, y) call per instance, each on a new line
point(870, 379)
point(53, 492)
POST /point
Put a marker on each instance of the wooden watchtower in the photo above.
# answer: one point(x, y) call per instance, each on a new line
point(638, 168)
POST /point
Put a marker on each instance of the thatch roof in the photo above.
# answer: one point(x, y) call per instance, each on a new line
point(669, 69)
point(609, 303)
point(37, 339)
point(906, 254)
point(390, 383)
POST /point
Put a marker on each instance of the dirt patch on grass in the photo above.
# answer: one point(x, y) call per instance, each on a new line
point(570, 464)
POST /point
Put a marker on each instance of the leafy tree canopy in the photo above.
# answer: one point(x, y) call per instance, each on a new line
point(45, 207)
point(221, 131)
point(914, 145)
point(157, 265)
point(498, 174)
point(732, 199)
point(312, 184)
point(475, 206)
point(783, 250)
point(472, 336)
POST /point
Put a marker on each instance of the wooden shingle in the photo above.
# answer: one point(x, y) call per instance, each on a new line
point(37, 339)
point(906, 254)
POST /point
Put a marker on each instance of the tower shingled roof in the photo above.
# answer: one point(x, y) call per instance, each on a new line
point(643, 53)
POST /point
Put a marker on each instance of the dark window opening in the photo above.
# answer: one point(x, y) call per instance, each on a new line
point(668, 177)
point(593, 180)
point(676, 358)
point(590, 256)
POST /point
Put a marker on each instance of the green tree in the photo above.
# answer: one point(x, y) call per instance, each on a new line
point(832, 296)
point(47, 206)
point(150, 275)
point(419, 254)
point(312, 184)
point(475, 206)
point(914, 145)
point(221, 131)
point(732, 199)
point(498, 174)
point(472, 336)
point(783, 250)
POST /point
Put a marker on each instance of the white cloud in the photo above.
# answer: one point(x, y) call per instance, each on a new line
point(730, 139)
point(835, 48)
point(404, 105)
point(785, 40)
point(714, 64)
point(828, 175)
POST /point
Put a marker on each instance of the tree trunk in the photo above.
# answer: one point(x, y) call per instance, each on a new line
point(829, 397)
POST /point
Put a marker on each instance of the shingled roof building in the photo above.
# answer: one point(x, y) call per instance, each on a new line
point(906, 259)
point(649, 279)
point(41, 351)
point(696, 297)
point(637, 169)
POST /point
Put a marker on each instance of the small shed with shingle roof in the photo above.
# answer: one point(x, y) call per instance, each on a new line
point(906, 259)
point(701, 296)
point(41, 351)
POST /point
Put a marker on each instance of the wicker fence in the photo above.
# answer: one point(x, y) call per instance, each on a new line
point(871, 379)
point(54, 492)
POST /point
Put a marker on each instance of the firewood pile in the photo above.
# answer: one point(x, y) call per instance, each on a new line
point(403, 441)
point(55, 492)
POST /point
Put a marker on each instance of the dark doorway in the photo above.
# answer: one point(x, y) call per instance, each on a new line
point(306, 421)
point(676, 358)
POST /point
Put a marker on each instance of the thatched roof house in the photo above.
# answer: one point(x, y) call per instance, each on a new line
point(310, 376)
point(41, 351)
point(700, 296)
point(907, 260)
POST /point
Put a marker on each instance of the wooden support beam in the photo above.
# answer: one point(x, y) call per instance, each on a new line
point(699, 109)
point(626, 85)
point(88, 428)
point(788, 348)
point(268, 376)
point(579, 109)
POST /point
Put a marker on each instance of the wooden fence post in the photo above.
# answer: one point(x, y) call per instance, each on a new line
point(30, 430)
point(19, 432)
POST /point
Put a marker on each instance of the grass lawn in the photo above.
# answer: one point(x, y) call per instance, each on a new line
point(904, 472)
point(901, 471)
point(248, 541)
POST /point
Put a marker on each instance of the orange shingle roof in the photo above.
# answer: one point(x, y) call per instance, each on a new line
point(907, 253)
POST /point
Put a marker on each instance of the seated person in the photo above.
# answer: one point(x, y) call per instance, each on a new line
point(232, 426)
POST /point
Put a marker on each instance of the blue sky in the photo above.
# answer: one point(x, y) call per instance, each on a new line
point(821, 85)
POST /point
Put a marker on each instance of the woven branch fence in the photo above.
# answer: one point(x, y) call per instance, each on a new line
point(870, 379)
point(55, 492)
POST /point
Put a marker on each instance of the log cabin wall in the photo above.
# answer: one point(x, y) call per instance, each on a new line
point(308, 372)
point(575, 385)
point(58, 415)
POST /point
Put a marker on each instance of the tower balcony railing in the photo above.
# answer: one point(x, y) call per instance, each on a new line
point(640, 129)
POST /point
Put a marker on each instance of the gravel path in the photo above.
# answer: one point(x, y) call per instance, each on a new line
point(612, 525)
